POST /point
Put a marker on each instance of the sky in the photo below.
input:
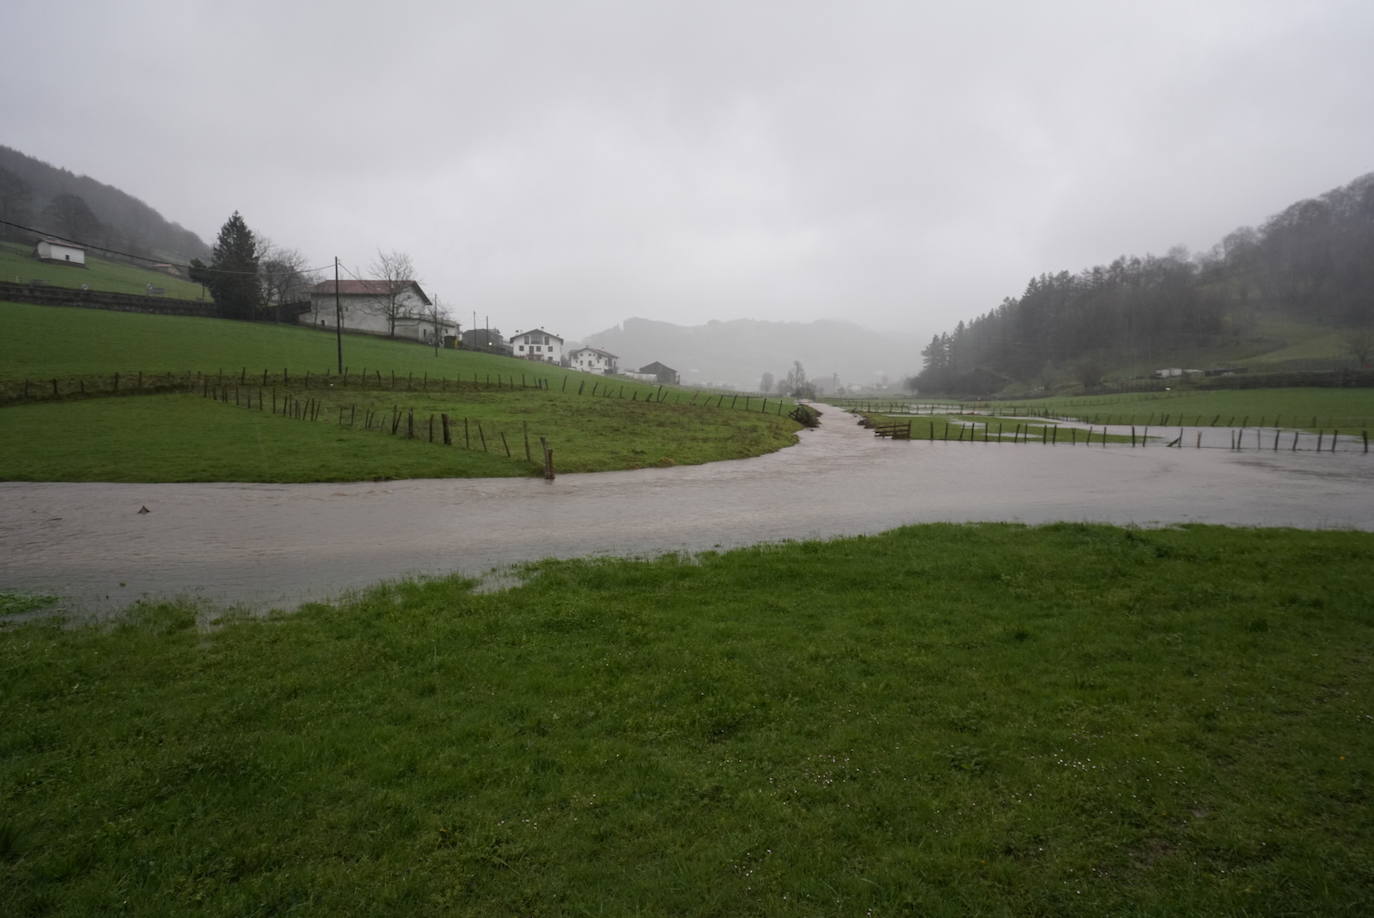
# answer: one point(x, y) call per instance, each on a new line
point(902, 165)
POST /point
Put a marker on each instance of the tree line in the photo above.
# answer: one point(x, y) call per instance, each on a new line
point(34, 193)
point(1313, 262)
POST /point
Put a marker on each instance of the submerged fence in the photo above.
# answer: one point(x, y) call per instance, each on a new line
point(1268, 439)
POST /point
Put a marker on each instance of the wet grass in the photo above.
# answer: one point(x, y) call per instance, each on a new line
point(17, 265)
point(1308, 409)
point(991, 429)
point(187, 438)
point(190, 438)
point(983, 719)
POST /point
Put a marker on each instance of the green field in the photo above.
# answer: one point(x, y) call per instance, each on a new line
point(942, 720)
point(1302, 408)
point(187, 438)
point(17, 265)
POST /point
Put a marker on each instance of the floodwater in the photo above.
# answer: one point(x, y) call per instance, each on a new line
point(265, 546)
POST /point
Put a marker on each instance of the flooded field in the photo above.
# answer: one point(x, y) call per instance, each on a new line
point(279, 545)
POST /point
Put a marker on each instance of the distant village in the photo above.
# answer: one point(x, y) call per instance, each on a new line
point(403, 310)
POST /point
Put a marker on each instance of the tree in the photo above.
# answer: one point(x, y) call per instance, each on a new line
point(766, 383)
point(796, 384)
point(69, 216)
point(394, 273)
point(280, 272)
point(232, 274)
point(16, 204)
point(1359, 343)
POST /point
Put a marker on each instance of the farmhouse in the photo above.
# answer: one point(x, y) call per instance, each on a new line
point(538, 344)
point(365, 305)
point(593, 360)
point(62, 252)
point(665, 375)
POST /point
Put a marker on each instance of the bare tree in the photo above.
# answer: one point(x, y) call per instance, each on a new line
point(440, 317)
point(766, 383)
point(282, 278)
point(393, 273)
point(1359, 343)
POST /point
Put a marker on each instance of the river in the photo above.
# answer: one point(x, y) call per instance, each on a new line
point(266, 546)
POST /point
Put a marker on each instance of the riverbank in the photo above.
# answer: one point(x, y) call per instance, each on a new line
point(268, 546)
point(944, 719)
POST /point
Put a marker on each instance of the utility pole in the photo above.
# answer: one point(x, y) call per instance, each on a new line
point(338, 315)
point(436, 325)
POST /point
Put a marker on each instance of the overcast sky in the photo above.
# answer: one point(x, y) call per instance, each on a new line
point(900, 164)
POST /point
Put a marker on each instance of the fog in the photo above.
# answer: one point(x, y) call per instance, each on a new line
point(902, 165)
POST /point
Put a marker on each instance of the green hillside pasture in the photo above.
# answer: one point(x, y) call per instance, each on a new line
point(1308, 408)
point(187, 438)
point(942, 720)
point(17, 265)
point(45, 341)
point(190, 438)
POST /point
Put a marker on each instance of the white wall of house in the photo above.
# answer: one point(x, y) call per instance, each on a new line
point(590, 360)
point(538, 345)
point(56, 251)
point(366, 314)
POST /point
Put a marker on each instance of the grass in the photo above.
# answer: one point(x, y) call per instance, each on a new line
point(187, 438)
point(988, 428)
point(18, 265)
point(941, 720)
point(190, 438)
point(1296, 407)
point(184, 439)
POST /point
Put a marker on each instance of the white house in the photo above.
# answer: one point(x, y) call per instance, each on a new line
point(365, 305)
point(592, 360)
point(57, 250)
point(538, 344)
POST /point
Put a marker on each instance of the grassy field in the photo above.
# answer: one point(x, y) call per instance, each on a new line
point(183, 438)
point(17, 265)
point(985, 428)
point(1304, 408)
point(942, 720)
point(44, 342)
point(189, 438)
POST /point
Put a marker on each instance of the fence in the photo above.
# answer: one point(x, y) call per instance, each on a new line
point(1055, 435)
point(396, 422)
point(136, 382)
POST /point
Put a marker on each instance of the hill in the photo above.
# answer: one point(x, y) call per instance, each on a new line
point(736, 354)
point(1296, 293)
point(54, 200)
point(18, 265)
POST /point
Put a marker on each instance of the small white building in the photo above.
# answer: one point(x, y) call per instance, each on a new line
point(365, 304)
point(538, 344)
point(592, 360)
point(57, 250)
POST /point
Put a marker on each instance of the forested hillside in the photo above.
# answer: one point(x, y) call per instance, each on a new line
point(34, 193)
point(1313, 264)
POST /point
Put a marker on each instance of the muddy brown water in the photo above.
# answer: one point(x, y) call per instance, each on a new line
point(265, 546)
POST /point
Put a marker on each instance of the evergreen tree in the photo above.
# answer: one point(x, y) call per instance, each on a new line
point(232, 275)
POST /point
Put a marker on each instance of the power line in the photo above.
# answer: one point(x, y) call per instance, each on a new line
point(150, 260)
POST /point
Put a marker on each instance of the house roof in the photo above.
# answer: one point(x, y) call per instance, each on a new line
point(594, 350)
point(52, 240)
point(656, 367)
point(536, 331)
point(366, 288)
